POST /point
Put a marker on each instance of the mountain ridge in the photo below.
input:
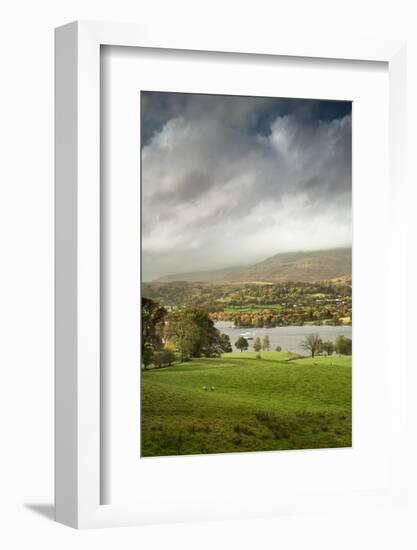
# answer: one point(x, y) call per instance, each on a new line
point(300, 266)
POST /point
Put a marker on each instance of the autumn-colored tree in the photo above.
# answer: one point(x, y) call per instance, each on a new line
point(257, 344)
point(265, 343)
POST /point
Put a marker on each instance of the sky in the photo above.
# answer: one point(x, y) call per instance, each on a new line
point(230, 180)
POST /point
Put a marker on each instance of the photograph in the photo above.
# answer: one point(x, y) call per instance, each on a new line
point(246, 274)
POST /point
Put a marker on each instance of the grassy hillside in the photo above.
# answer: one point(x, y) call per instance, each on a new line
point(256, 404)
point(319, 265)
point(302, 266)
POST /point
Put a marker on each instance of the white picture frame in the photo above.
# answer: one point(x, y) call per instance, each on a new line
point(78, 405)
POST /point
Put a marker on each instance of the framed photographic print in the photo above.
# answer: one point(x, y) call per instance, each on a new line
point(229, 213)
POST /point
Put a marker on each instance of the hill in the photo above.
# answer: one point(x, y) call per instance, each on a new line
point(306, 266)
point(202, 276)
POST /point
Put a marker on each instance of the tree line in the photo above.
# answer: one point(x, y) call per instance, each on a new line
point(311, 343)
point(182, 334)
point(260, 305)
point(258, 344)
point(316, 346)
point(190, 332)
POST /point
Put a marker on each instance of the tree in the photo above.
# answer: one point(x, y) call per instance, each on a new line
point(257, 344)
point(182, 331)
point(194, 335)
point(153, 321)
point(328, 347)
point(265, 343)
point(226, 346)
point(208, 341)
point(343, 345)
point(312, 343)
point(278, 348)
point(241, 343)
point(164, 358)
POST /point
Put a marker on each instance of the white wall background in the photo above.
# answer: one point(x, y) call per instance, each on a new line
point(26, 269)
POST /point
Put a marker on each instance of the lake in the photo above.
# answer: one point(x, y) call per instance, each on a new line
point(289, 338)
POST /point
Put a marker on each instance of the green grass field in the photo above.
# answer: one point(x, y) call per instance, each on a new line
point(256, 404)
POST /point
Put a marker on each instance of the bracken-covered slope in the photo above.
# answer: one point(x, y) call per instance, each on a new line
point(306, 266)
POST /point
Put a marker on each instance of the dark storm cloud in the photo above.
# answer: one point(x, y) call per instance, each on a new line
point(232, 180)
point(254, 113)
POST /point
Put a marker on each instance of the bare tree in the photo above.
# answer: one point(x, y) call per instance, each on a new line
point(312, 343)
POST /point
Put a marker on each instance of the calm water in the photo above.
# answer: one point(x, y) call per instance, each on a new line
point(289, 338)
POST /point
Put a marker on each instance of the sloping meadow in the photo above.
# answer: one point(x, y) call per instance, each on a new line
point(241, 402)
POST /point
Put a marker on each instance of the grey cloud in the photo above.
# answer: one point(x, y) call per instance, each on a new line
point(219, 190)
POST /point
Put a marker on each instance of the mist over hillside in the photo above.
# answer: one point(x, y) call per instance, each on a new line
point(304, 266)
